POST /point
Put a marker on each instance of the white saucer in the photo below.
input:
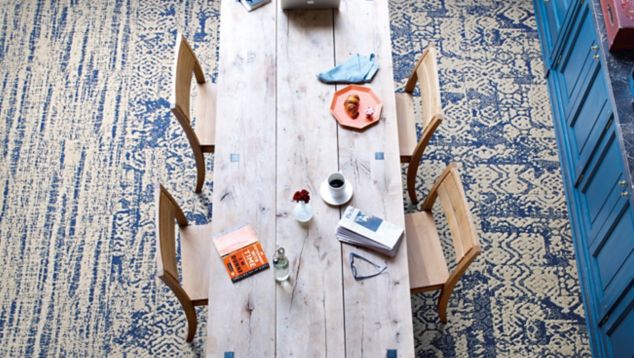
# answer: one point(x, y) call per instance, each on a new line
point(325, 194)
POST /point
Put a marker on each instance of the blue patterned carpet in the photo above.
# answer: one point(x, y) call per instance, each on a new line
point(86, 130)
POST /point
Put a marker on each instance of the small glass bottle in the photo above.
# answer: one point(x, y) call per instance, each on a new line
point(281, 265)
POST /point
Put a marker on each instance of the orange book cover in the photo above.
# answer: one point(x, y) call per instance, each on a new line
point(241, 253)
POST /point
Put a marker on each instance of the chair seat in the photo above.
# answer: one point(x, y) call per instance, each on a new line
point(406, 125)
point(205, 112)
point(427, 264)
point(196, 251)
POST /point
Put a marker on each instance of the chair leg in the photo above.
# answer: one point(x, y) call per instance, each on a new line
point(200, 180)
point(192, 323)
point(200, 172)
point(411, 190)
point(411, 180)
point(443, 301)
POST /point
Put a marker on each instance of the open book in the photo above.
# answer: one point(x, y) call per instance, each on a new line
point(360, 229)
point(241, 253)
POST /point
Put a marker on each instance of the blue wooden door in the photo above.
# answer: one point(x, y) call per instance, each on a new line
point(552, 14)
point(603, 217)
point(604, 209)
point(597, 183)
point(578, 60)
point(608, 225)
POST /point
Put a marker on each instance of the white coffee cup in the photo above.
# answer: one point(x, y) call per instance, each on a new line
point(337, 185)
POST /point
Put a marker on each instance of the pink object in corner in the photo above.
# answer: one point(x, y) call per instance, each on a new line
point(618, 16)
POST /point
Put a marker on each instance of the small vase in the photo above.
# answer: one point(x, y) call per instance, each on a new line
point(303, 212)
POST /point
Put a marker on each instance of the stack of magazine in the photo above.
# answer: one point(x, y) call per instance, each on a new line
point(360, 229)
point(251, 5)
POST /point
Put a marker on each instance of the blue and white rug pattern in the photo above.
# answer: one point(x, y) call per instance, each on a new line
point(86, 131)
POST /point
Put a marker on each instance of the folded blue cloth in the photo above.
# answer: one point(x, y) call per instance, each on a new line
point(358, 69)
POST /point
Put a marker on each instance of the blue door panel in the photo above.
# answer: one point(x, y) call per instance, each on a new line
point(601, 181)
point(549, 26)
point(620, 327)
point(552, 17)
point(622, 339)
point(588, 116)
point(587, 150)
point(578, 61)
point(587, 123)
point(619, 283)
point(543, 27)
point(615, 205)
point(562, 7)
point(554, 23)
point(578, 55)
point(615, 251)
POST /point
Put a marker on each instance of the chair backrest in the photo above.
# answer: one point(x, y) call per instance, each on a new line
point(449, 189)
point(426, 74)
point(185, 65)
point(167, 213)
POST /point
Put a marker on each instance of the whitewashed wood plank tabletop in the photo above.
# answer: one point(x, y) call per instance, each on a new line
point(242, 315)
point(275, 135)
point(378, 311)
point(310, 306)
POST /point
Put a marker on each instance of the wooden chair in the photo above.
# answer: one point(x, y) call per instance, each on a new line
point(426, 74)
point(201, 139)
point(428, 269)
point(196, 248)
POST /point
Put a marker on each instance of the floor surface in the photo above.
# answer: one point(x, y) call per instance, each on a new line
point(86, 130)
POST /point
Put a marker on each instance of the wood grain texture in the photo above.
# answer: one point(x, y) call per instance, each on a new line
point(427, 259)
point(167, 212)
point(205, 109)
point(427, 264)
point(417, 155)
point(448, 188)
point(295, 143)
point(429, 86)
point(199, 157)
point(425, 73)
point(378, 312)
point(185, 66)
point(196, 246)
point(202, 138)
point(406, 125)
point(78, 225)
point(241, 316)
point(309, 306)
point(195, 243)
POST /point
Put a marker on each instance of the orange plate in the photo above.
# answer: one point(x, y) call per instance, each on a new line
point(367, 98)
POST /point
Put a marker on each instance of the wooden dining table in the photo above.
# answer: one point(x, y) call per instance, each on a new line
point(275, 135)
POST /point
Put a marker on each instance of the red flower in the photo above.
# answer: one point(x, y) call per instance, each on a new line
point(302, 195)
